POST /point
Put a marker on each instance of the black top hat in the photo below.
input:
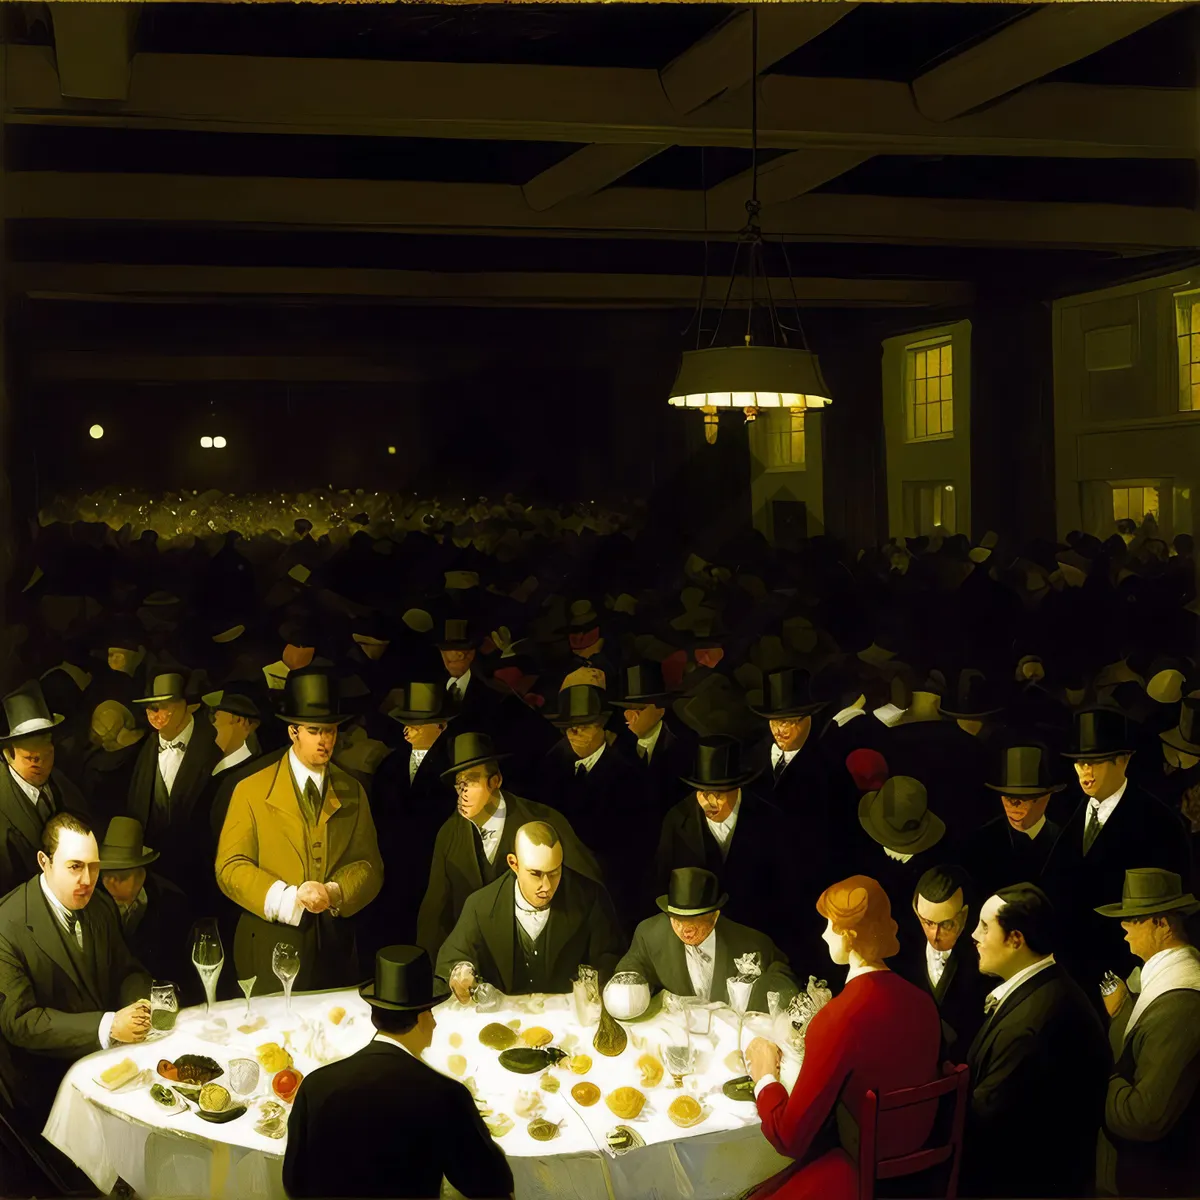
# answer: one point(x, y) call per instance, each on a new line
point(404, 981)
point(122, 848)
point(456, 635)
point(1100, 733)
point(469, 750)
point(422, 704)
point(166, 687)
point(972, 698)
point(718, 766)
point(1025, 771)
point(1185, 737)
point(643, 685)
point(310, 698)
point(692, 892)
point(580, 704)
point(26, 712)
point(788, 693)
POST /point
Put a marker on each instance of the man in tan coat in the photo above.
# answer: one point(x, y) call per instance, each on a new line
point(298, 851)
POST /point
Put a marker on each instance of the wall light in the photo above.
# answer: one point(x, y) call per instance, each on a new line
point(96, 431)
point(219, 443)
point(206, 443)
point(949, 487)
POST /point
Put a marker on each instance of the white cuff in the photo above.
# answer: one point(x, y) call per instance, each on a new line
point(106, 1024)
point(765, 1081)
point(280, 904)
point(274, 899)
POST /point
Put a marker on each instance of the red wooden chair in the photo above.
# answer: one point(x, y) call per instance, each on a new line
point(870, 1167)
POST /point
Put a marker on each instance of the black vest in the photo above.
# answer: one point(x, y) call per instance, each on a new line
point(530, 969)
point(490, 871)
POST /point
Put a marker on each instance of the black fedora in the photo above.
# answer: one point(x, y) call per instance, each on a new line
point(787, 693)
point(580, 704)
point(692, 892)
point(1185, 737)
point(456, 635)
point(469, 750)
point(122, 848)
point(27, 714)
point(422, 704)
point(972, 697)
point(1025, 771)
point(243, 700)
point(1100, 734)
point(718, 766)
point(643, 686)
point(310, 698)
point(404, 981)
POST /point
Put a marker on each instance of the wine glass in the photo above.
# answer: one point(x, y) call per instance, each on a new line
point(285, 962)
point(247, 986)
point(208, 957)
point(680, 1060)
point(739, 990)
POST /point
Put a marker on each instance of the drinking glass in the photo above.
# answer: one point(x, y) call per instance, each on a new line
point(739, 991)
point(285, 962)
point(164, 1007)
point(243, 1076)
point(680, 1060)
point(247, 986)
point(585, 991)
point(208, 957)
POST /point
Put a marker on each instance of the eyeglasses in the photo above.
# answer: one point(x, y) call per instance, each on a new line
point(943, 926)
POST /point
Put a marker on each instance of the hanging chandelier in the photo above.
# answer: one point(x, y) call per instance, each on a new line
point(750, 375)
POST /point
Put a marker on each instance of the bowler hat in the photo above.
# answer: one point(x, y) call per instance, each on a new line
point(898, 817)
point(580, 704)
point(643, 685)
point(973, 697)
point(718, 766)
point(422, 704)
point(1185, 737)
point(404, 981)
point(311, 699)
point(26, 712)
point(242, 701)
point(456, 635)
point(1149, 891)
point(1100, 734)
point(469, 750)
point(787, 693)
point(122, 848)
point(692, 892)
point(165, 688)
point(1025, 771)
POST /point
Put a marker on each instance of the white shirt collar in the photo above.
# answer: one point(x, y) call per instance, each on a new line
point(934, 955)
point(387, 1041)
point(1009, 985)
point(592, 759)
point(232, 759)
point(417, 755)
point(494, 824)
point(777, 754)
point(1104, 808)
point(60, 910)
point(24, 785)
point(461, 683)
point(1034, 830)
point(650, 740)
point(184, 735)
point(302, 774)
point(532, 920)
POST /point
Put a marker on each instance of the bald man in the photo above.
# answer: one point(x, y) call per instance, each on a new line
point(529, 931)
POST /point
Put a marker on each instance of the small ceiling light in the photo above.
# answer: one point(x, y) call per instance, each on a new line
point(219, 443)
point(96, 431)
point(391, 449)
point(206, 443)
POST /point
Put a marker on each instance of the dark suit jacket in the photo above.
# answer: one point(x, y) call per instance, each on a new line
point(157, 934)
point(960, 992)
point(50, 1008)
point(660, 958)
point(673, 757)
point(582, 928)
point(21, 827)
point(998, 855)
point(381, 1123)
point(105, 780)
point(1039, 1065)
point(454, 871)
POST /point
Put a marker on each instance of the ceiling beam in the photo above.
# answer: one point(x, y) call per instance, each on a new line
point(106, 366)
point(586, 172)
point(242, 94)
point(396, 206)
point(93, 47)
point(720, 61)
point(63, 281)
point(1028, 49)
point(786, 177)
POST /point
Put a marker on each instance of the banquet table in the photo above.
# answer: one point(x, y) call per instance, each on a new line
point(124, 1134)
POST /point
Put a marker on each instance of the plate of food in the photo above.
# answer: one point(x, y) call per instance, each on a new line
point(121, 1077)
point(190, 1068)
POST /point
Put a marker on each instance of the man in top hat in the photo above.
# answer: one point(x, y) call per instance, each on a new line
point(1174, 775)
point(691, 951)
point(663, 752)
point(589, 779)
point(1017, 843)
point(529, 931)
point(472, 847)
point(383, 1124)
point(298, 850)
point(1150, 1143)
point(155, 914)
point(1116, 827)
point(172, 774)
point(32, 790)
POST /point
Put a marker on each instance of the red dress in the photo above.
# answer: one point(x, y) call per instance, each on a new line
point(881, 1034)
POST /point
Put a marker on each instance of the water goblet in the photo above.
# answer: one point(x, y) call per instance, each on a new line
point(285, 962)
point(680, 1060)
point(208, 957)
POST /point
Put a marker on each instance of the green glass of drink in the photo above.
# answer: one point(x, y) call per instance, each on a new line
point(164, 1007)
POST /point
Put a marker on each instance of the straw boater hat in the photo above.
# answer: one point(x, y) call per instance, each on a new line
point(27, 714)
point(404, 981)
point(898, 817)
point(692, 892)
point(1149, 891)
point(122, 848)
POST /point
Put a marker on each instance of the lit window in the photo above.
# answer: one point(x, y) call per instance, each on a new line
point(1133, 503)
point(784, 433)
point(929, 391)
point(1187, 328)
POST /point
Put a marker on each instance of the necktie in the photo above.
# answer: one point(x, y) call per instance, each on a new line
point(643, 752)
point(702, 956)
point(580, 768)
point(45, 805)
point(780, 766)
point(73, 927)
point(169, 746)
point(1093, 826)
point(454, 691)
point(990, 1005)
point(312, 801)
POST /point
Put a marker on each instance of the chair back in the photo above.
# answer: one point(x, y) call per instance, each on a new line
point(871, 1168)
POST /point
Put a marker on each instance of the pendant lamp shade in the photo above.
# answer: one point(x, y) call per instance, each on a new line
point(749, 377)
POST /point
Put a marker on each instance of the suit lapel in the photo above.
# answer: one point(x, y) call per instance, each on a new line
point(500, 935)
point(465, 842)
point(19, 810)
point(1009, 1005)
point(722, 966)
point(47, 934)
point(563, 910)
point(196, 758)
point(939, 993)
point(671, 961)
point(281, 800)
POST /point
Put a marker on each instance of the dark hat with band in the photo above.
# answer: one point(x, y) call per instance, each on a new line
point(692, 892)
point(404, 981)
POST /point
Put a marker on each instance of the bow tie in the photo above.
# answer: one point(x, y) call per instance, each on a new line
point(990, 1005)
point(170, 746)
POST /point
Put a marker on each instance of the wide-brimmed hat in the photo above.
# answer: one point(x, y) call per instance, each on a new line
point(1149, 891)
point(718, 766)
point(1100, 733)
point(580, 704)
point(692, 892)
point(422, 704)
point(311, 698)
point(27, 714)
point(1025, 771)
point(898, 817)
point(971, 697)
point(643, 685)
point(787, 693)
point(1185, 737)
point(404, 981)
point(469, 750)
point(456, 635)
point(122, 848)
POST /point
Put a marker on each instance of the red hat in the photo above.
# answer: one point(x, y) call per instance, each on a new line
point(868, 769)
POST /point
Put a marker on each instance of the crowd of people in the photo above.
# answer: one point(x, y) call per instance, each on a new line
point(493, 748)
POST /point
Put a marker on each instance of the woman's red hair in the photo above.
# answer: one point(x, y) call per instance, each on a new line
point(860, 910)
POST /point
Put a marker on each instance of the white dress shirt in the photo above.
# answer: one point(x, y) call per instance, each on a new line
point(459, 685)
point(415, 759)
point(387, 1041)
point(1034, 830)
point(935, 963)
point(281, 904)
point(169, 761)
point(777, 754)
point(1009, 985)
point(648, 741)
point(533, 920)
point(28, 788)
point(64, 917)
point(723, 830)
point(699, 971)
point(492, 829)
point(586, 764)
point(1103, 809)
point(232, 759)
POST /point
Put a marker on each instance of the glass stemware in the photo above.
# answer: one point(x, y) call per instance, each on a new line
point(739, 990)
point(680, 1060)
point(285, 962)
point(247, 986)
point(208, 957)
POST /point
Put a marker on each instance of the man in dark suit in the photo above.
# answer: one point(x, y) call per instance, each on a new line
point(530, 930)
point(662, 752)
point(472, 847)
point(943, 962)
point(68, 982)
point(114, 743)
point(1115, 828)
point(32, 790)
point(1039, 1062)
point(381, 1123)
point(690, 951)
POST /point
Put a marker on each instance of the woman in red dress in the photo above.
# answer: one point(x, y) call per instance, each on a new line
point(880, 1034)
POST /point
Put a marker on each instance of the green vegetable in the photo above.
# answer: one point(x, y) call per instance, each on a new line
point(164, 1096)
point(741, 1088)
point(526, 1060)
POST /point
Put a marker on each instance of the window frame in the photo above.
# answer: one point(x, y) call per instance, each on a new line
point(770, 433)
point(1189, 299)
point(911, 350)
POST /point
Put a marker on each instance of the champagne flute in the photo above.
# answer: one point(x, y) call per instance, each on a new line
point(739, 991)
point(247, 986)
point(208, 957)
point(285, 962)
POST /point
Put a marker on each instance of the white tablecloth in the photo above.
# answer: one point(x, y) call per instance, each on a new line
point(124, 1134)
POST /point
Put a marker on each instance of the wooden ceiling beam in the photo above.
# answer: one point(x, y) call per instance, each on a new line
point(1029, 49)
point(586, 172)
point(93, 48)
point(785, 178)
